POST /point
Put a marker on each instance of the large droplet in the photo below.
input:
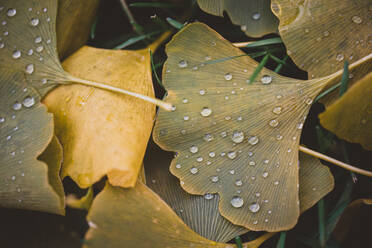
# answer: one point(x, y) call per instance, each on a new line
point(194, 170)
point(16, 54)
point(38, 40)
point(208, 196)
point(11, 12)
point(237, 202)
point(29, 102)
point(238, 182)
point(254, 207)
point(253, 140)
point(237, 136)
point(274, 123)
point(34, 22)
point(228, 76)
point(231, 155)
point(194, 149)
point(17, 106)
point(206, 112)
point(256, 16)
point(214, 179)
point(208, 137)
point(30, 68)
point(266, 79)
point(277, 110)
point(356, 19)
point(182, 64)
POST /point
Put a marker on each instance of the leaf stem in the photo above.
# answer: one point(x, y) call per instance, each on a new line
point(335, 161)
point(165, 105)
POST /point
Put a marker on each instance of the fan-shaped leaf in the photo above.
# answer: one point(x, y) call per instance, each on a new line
point(350, 117)
point(220, 123)
point(74, 20)
point(104, 133)
point(254, 16)
point(320, 40)
point(25, 131)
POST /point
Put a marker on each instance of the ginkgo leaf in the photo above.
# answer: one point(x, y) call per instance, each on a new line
point(201, 213)
point(74, 20)
point(104, 133)
point(118, 216)
point(320, 40)
point(23, 178)
point(254, 16)
point(222, 123)
point(350, 117)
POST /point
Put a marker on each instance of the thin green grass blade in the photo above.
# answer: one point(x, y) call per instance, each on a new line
point(259, 68)
point(322, 235)
point(154, 70)
point(134, 40)
point(265, 42)
point(174, 23)
point(154, 5)
point(326, 92)
point(93, 29)
point(281, 241)
point(280, 65)
point(238, 242)
point(344, 79)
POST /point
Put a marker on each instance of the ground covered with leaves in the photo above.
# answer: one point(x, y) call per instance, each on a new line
point(177, 123)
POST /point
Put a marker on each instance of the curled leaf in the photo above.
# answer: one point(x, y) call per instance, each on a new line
point(254, 16)
point(222, 123)
point(350, 117)
point(26, 129)
point(104, 133)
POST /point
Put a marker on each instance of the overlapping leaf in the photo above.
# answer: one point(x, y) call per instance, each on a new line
point(201, 213)
point(254, 16)
point(104, 133)
point(350, 117)
point(222, 124)
point(25, 131)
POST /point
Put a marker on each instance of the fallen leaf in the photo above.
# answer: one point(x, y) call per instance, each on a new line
point(320, 40)
point(104, 133)
point(74, 21)
point(26, 129)
point(118, 216)
point(201, 214)
point(81, 203)
point(221, 123)
point(350, 117)
point(253, 16)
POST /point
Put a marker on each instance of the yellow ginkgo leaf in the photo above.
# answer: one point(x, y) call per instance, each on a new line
point(321, 35)
point(223, 122)
point(350, 117)
point(25, 181)
point(201, 213)
point(74, 21)
point(118, 216)
point(104, 133)
point(253, 16)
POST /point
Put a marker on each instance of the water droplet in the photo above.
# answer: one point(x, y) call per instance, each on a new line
point(237, 136)
point(16, 54)
point(266, 79)
point(356, 19)
point(182, 64)
point(326, 33)
point(30, 68)
point(30, 52)
point(13, 178)
point(199, 159)
point(252, 163)
point(307, 30)
point(256, 16)
point(309, 101)
point(39, 49)
point(178, 166)
point(186, 118)
point(212, 154)
point(38, 39)
point(228, 76)
point(208, 57)
point(277, 110)
point(232, 172)
point(11, 12)
point(28, 102)
point(185, 100)
point(243, 28)
point(276, 182)
point(300, 126)
point(34, 22)
point(206, 112)
point(231, 155)
point(194, 170)
point(254, 207)
point(274, 123)
point(202, 92)
point(237, 202)
point(265, 174)
point(279, 137)
point(17, 106)
point(253, 140)
point(223, 134)
point(339, 57)
point(2, 45)
point(214, 179)
point(238, 183)
point(194, 149)
point(208, 196)
point(257, 194)
point(208, 137)
point(2, 119)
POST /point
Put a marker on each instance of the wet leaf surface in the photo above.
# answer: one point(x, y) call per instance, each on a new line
point(254, 16)
point(222, 123)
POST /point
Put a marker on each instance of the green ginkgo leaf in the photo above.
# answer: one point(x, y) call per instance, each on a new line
point(25, 131)
point(254, 16)
point(222, 122)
